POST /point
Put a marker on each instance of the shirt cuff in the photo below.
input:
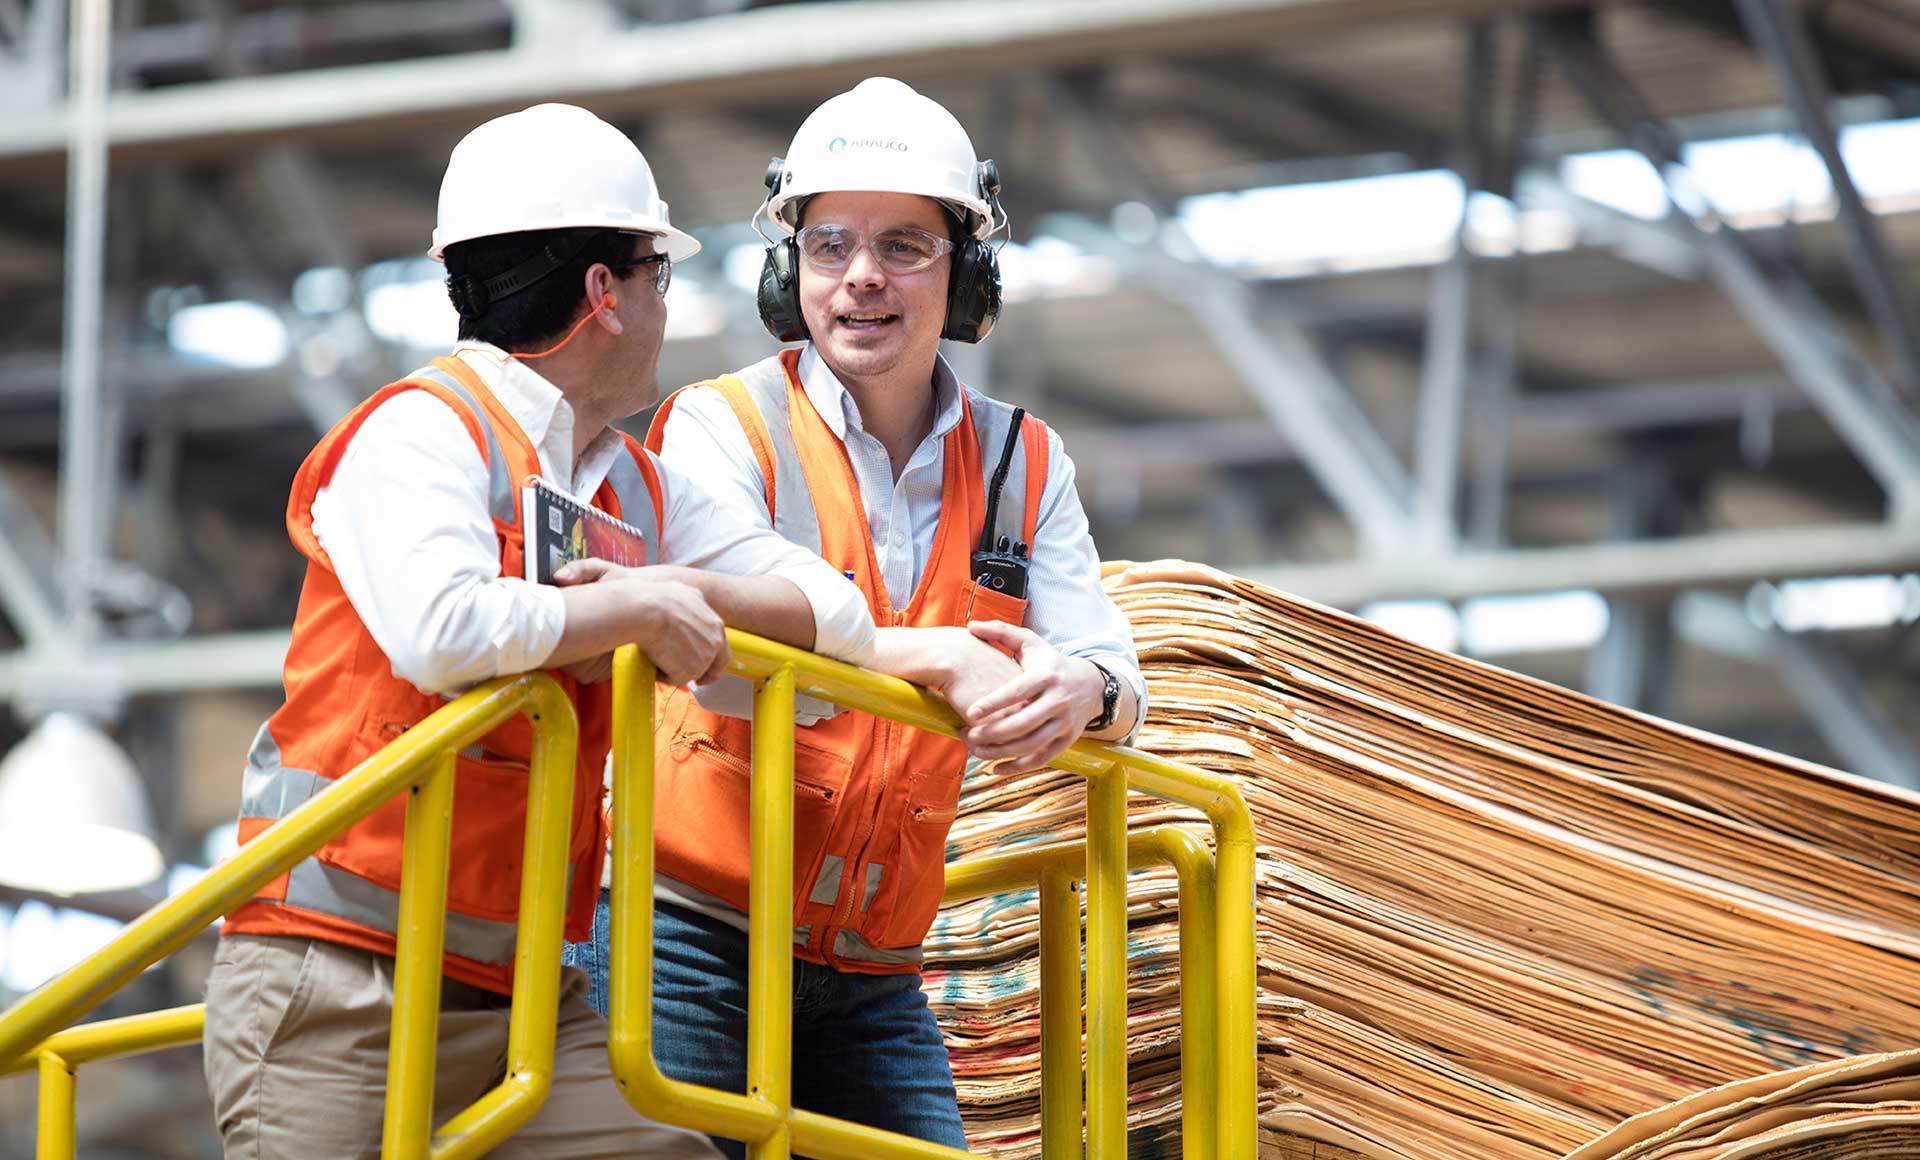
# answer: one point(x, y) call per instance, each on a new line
point(842, 624)
point(545, 613)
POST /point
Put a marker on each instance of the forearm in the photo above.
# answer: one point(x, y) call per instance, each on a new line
point(769, 606)
point(925, 656)
point(600, 618)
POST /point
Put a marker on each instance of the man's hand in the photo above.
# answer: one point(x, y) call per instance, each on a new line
point(670, 621)
point(973, 670)
point(1026, 722)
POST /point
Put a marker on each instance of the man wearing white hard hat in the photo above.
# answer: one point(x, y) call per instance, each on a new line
point(410, 513)
point(957, 517)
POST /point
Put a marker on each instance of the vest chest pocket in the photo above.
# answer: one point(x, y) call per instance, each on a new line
point(983, 603)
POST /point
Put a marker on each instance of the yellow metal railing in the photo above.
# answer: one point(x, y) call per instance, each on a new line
point(419, 763)
point(1216, 940)
point(1215, 908)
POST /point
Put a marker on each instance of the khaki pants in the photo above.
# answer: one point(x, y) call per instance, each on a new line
point(296, 1058)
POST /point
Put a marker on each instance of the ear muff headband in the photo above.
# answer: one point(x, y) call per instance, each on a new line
point(973, 282)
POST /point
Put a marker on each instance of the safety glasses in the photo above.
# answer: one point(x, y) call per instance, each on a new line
point(662, 274)
point(902, 250)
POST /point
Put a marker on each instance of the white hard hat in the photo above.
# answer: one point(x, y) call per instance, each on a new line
point(881, 136)
point(551, 167)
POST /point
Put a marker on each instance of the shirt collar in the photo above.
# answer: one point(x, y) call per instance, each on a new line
point(836, 405)
point(541, 410)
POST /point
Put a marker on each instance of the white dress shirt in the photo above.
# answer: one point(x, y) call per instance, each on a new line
point(405, 524)
point(1066, 605)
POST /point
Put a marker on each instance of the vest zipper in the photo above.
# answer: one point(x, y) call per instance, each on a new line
point(856, 869)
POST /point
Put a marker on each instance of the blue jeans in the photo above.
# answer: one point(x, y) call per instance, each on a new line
point(865, 1047)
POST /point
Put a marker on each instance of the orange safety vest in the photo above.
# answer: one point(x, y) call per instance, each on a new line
point(344, 703)
point(873, 799)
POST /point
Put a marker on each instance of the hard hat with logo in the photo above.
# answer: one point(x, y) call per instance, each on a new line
point(881, 136)
point(551, 167)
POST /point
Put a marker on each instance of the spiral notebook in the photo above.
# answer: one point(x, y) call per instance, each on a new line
point(561, 529)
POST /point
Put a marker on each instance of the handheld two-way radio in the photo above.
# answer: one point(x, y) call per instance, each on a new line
point(1001, 564)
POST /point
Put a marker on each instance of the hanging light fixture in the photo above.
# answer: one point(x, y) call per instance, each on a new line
point(73, 813)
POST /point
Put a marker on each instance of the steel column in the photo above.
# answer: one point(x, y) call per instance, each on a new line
point(1449, 348)
point(83, 512)
point(1632, 664)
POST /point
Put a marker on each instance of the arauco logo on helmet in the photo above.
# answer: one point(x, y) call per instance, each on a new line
point(839, 143)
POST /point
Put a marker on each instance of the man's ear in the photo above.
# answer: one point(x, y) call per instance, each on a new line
point(601, 300)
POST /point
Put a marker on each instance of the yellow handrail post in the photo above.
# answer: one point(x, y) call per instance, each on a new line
point(1238, 981)
point(1061, 1098)
point(630, 1010)
point(534, 1020)
point(770, 912)
point(57, 1136)
point(1234, 968)
point(1107, 964)
point(412, 1050)
point(1199, 992)
point(631, 938)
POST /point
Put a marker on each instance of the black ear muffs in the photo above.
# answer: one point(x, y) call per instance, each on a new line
point(973, 292)
point(779, 293)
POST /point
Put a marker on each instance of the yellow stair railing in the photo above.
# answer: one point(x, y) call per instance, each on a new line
point(1215, 910)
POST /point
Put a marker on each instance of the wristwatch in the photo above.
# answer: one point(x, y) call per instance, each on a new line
point(1109, 699)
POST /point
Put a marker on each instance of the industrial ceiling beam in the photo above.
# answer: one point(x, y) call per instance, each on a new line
point(1707, 560)
point(1702, 560)
point(766, 53)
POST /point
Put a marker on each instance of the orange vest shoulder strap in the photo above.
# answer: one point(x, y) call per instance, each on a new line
point(1033, 441)
point(324, 459)
point(751, 423)
point(634, 479)
point(759, 397)
point(1018, 514)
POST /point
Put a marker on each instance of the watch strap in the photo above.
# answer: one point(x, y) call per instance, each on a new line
point(1109, 699)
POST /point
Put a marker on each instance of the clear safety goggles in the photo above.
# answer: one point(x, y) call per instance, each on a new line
point(902, 250)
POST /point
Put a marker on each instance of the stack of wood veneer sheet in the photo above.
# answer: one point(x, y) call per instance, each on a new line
point(1495, 918)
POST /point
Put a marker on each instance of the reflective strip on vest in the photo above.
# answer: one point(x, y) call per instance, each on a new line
point(500, 481)
point(794, 517)
point(826, 885)
point(991, 419)
point(875, 872)
point(636, 503)
point(849, 945)
point(269, 789)
point(274, 791)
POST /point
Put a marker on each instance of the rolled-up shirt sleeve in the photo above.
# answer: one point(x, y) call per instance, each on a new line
point(1066, 605)
point(405, 525)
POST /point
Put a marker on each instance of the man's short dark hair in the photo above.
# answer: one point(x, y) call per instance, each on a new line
point(540, 314)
